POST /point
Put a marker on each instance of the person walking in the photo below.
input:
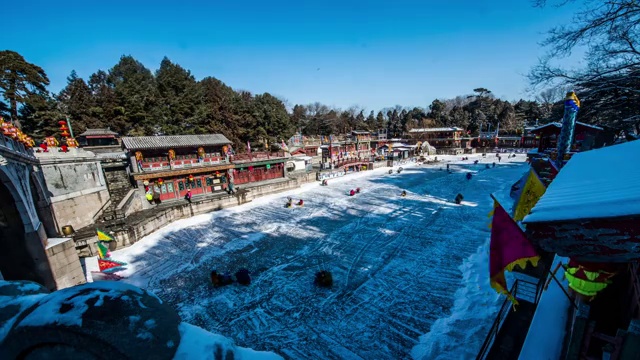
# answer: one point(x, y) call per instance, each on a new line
point(188, 196)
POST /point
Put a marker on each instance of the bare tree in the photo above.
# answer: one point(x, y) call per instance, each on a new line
point(548, 97)
point(609, 30)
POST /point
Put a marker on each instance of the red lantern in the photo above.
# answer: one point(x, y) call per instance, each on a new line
point(160, 181)
point(190, 178)
point(62, 123)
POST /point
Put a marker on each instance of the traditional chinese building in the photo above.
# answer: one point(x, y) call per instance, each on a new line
point(98, 137)
point(171, 165)
point(258, 166)
point(546, 136)
point(590, 214)
point(444, 137)
point(362, 140)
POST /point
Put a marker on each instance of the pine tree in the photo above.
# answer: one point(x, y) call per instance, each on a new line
point(75, 101)
point(136, 94)
point(21, 82)
point(178, 99)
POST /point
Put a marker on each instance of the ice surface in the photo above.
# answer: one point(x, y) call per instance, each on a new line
point(398, 265)
point(594, 184)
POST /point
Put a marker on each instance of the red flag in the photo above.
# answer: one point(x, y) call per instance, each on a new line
point(509, 247)
point(108, 264)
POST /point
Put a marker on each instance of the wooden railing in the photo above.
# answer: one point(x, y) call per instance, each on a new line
point(520, 291)
point(256, 156)
point(182, 163)
point(244, 177)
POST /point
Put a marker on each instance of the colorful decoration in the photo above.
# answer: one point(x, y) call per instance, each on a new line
point(588, 279)
point(284, 146)
point(102, 236)
point(103, 251)
point(6, 128)
point(71, 142)
point(51, 141)
point(201, 153)
point(172, 154)
point(225, 149)
point(29, 143)
point(531, 192)
point(139, 156)
point(509, 247)
point(160, 181)
point(108, 265)
point(191, 179)
point(64, 130)
point(571, 107)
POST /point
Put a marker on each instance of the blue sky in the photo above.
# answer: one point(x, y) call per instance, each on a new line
point(371, 53)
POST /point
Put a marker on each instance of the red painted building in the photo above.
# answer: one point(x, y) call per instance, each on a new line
point(171, 165)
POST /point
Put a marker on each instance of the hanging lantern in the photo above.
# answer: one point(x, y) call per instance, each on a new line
point(160, 181)
point(6, 128)
point(191, 178)
point(225, 149)
point(588, 279)
point(71, 142)
point(13, 132)
point(51, 141)
point(201, 152)
point(172, 154)
point(29, 143)
point(139, 156)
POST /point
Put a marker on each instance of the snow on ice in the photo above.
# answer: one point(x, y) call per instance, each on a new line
point(402, 267)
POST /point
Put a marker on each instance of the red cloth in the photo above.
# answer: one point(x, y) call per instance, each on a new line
point(509, 245)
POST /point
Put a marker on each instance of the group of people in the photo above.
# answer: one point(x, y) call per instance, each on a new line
point(290, 202)
point(353, 192)
point(242, 277)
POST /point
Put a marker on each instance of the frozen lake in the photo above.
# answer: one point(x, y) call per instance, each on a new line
point(402, 267)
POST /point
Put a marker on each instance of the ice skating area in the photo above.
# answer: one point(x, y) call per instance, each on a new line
point(410, 274)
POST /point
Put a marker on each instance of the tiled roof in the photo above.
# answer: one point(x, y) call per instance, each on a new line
point(95, 132)
point(559, 125)
point(594, 184)
point(173, 141)
point(436, 129)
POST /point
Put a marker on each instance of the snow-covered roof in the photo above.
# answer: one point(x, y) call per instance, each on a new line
point(435, 129)
point(600, 183)
point(559, 125)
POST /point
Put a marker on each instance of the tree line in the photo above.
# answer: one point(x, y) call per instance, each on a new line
point(132, 100)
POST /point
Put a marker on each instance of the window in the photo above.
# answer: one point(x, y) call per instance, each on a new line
point(169, 187)
point(163, 188)
point(181, 185)
point(209, 182)
point(199, 183)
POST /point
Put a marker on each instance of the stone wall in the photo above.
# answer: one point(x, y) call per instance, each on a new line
point(76, 185)
point(64, 262)
point(79, 211)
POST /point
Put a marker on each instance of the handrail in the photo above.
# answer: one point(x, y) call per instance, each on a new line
point(504, 311)
point(495, 328)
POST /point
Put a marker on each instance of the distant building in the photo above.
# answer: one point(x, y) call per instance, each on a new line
point(442, 137)
point(98, 137)
point(172, 165)
point(585, 136)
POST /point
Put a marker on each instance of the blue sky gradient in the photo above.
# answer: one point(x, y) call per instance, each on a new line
point(372, 53)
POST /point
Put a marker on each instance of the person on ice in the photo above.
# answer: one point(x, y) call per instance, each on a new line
point(289, 202)
point(352, 192)
point(458, 199)
point(323, 279)
point(220, 280)
point(325, 182)
point(494, 164)
point(357, 190)
point(404, 193)
point(300, 203)
point(468, 176)
point(242, 276)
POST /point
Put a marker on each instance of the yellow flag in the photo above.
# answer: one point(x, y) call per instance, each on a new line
point(102, 236)
point(531, 193)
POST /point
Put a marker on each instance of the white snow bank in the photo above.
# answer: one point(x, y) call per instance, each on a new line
point(442, 342)
point(547, 331)
point(594, 184)
point(197, 343)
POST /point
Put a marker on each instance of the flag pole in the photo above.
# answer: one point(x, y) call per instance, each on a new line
point(553, 276)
